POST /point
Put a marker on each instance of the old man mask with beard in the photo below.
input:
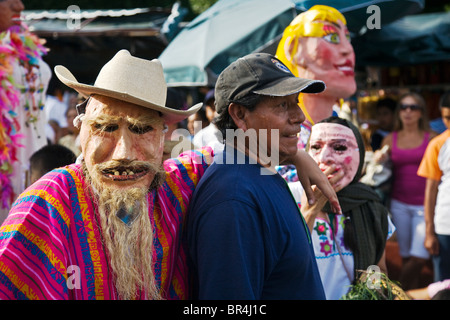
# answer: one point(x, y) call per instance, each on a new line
point(122, 145)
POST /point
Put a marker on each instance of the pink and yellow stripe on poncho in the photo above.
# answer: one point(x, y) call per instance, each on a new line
point(52, 232)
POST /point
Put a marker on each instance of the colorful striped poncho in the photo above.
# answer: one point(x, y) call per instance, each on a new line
point(52, 233)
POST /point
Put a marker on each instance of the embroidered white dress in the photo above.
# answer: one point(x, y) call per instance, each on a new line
point(335, 280)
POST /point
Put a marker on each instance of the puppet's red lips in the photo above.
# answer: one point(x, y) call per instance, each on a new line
point(16, 19)
point(347, 68)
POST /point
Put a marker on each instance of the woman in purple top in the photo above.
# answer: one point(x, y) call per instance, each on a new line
point(407, 144)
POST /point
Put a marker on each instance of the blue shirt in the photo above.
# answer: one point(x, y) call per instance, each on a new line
point(247, 238)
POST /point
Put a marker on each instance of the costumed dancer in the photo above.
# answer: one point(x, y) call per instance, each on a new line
point(24, 77)
point(349, 243)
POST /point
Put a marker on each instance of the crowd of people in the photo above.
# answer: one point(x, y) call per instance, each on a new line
point(120, 190)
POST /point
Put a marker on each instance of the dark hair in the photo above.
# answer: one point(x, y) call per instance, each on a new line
point(50, 157)
point(202, 113)
point(389, 103)
point(443, 294)
point(54, 85)
point(224, 120)
point(175, 99)
point(444, 102)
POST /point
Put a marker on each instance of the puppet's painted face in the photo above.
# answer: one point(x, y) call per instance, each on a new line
point(122, 143)
point(316, 45)
point(332, 143)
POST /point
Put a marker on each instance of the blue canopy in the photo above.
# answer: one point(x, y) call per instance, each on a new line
point(413, 39)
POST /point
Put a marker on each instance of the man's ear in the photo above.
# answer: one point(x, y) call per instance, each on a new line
point(238, 114)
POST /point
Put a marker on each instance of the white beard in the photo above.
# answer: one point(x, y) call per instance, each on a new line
point(128, 237)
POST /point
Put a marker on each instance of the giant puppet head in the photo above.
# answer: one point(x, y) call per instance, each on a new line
point(316, 45)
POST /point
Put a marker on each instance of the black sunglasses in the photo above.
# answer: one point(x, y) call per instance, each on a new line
point(410, 106)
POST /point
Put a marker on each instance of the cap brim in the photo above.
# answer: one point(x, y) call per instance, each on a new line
point(291, 85)
point(169, 115)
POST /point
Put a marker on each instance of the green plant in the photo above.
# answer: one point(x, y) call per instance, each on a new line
point(375, 286)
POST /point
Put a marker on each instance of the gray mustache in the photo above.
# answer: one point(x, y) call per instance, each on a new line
point(123, 165)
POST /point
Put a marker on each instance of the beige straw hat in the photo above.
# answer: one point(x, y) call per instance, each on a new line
point(130, 79)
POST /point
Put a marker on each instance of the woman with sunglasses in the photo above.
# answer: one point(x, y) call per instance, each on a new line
point(407, 144)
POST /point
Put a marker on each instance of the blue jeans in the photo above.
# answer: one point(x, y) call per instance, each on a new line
point(441, 262)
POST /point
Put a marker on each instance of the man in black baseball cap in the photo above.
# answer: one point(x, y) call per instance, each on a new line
point(260, 74)
point(247, 238)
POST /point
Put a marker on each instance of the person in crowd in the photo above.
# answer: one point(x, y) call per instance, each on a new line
point(355, 240)
point(176, 138)
point(197, 122)
point(24, 78)
point(407, 144)
point(246, 236)
point(108, 212)
point(210, 135)
point(349, 110)
point(435, 168)
point(438, 125)
point(385, 111)
point(71, 138)
point(439, 290)
point(49, 157)
point(55, 108)
point(109, 227)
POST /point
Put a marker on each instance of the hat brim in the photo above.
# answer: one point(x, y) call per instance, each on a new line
point(291, 85)
point(169, 115)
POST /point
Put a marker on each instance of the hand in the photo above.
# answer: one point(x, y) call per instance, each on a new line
point(310, 209)
point(431, 244)
point(309, 174)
